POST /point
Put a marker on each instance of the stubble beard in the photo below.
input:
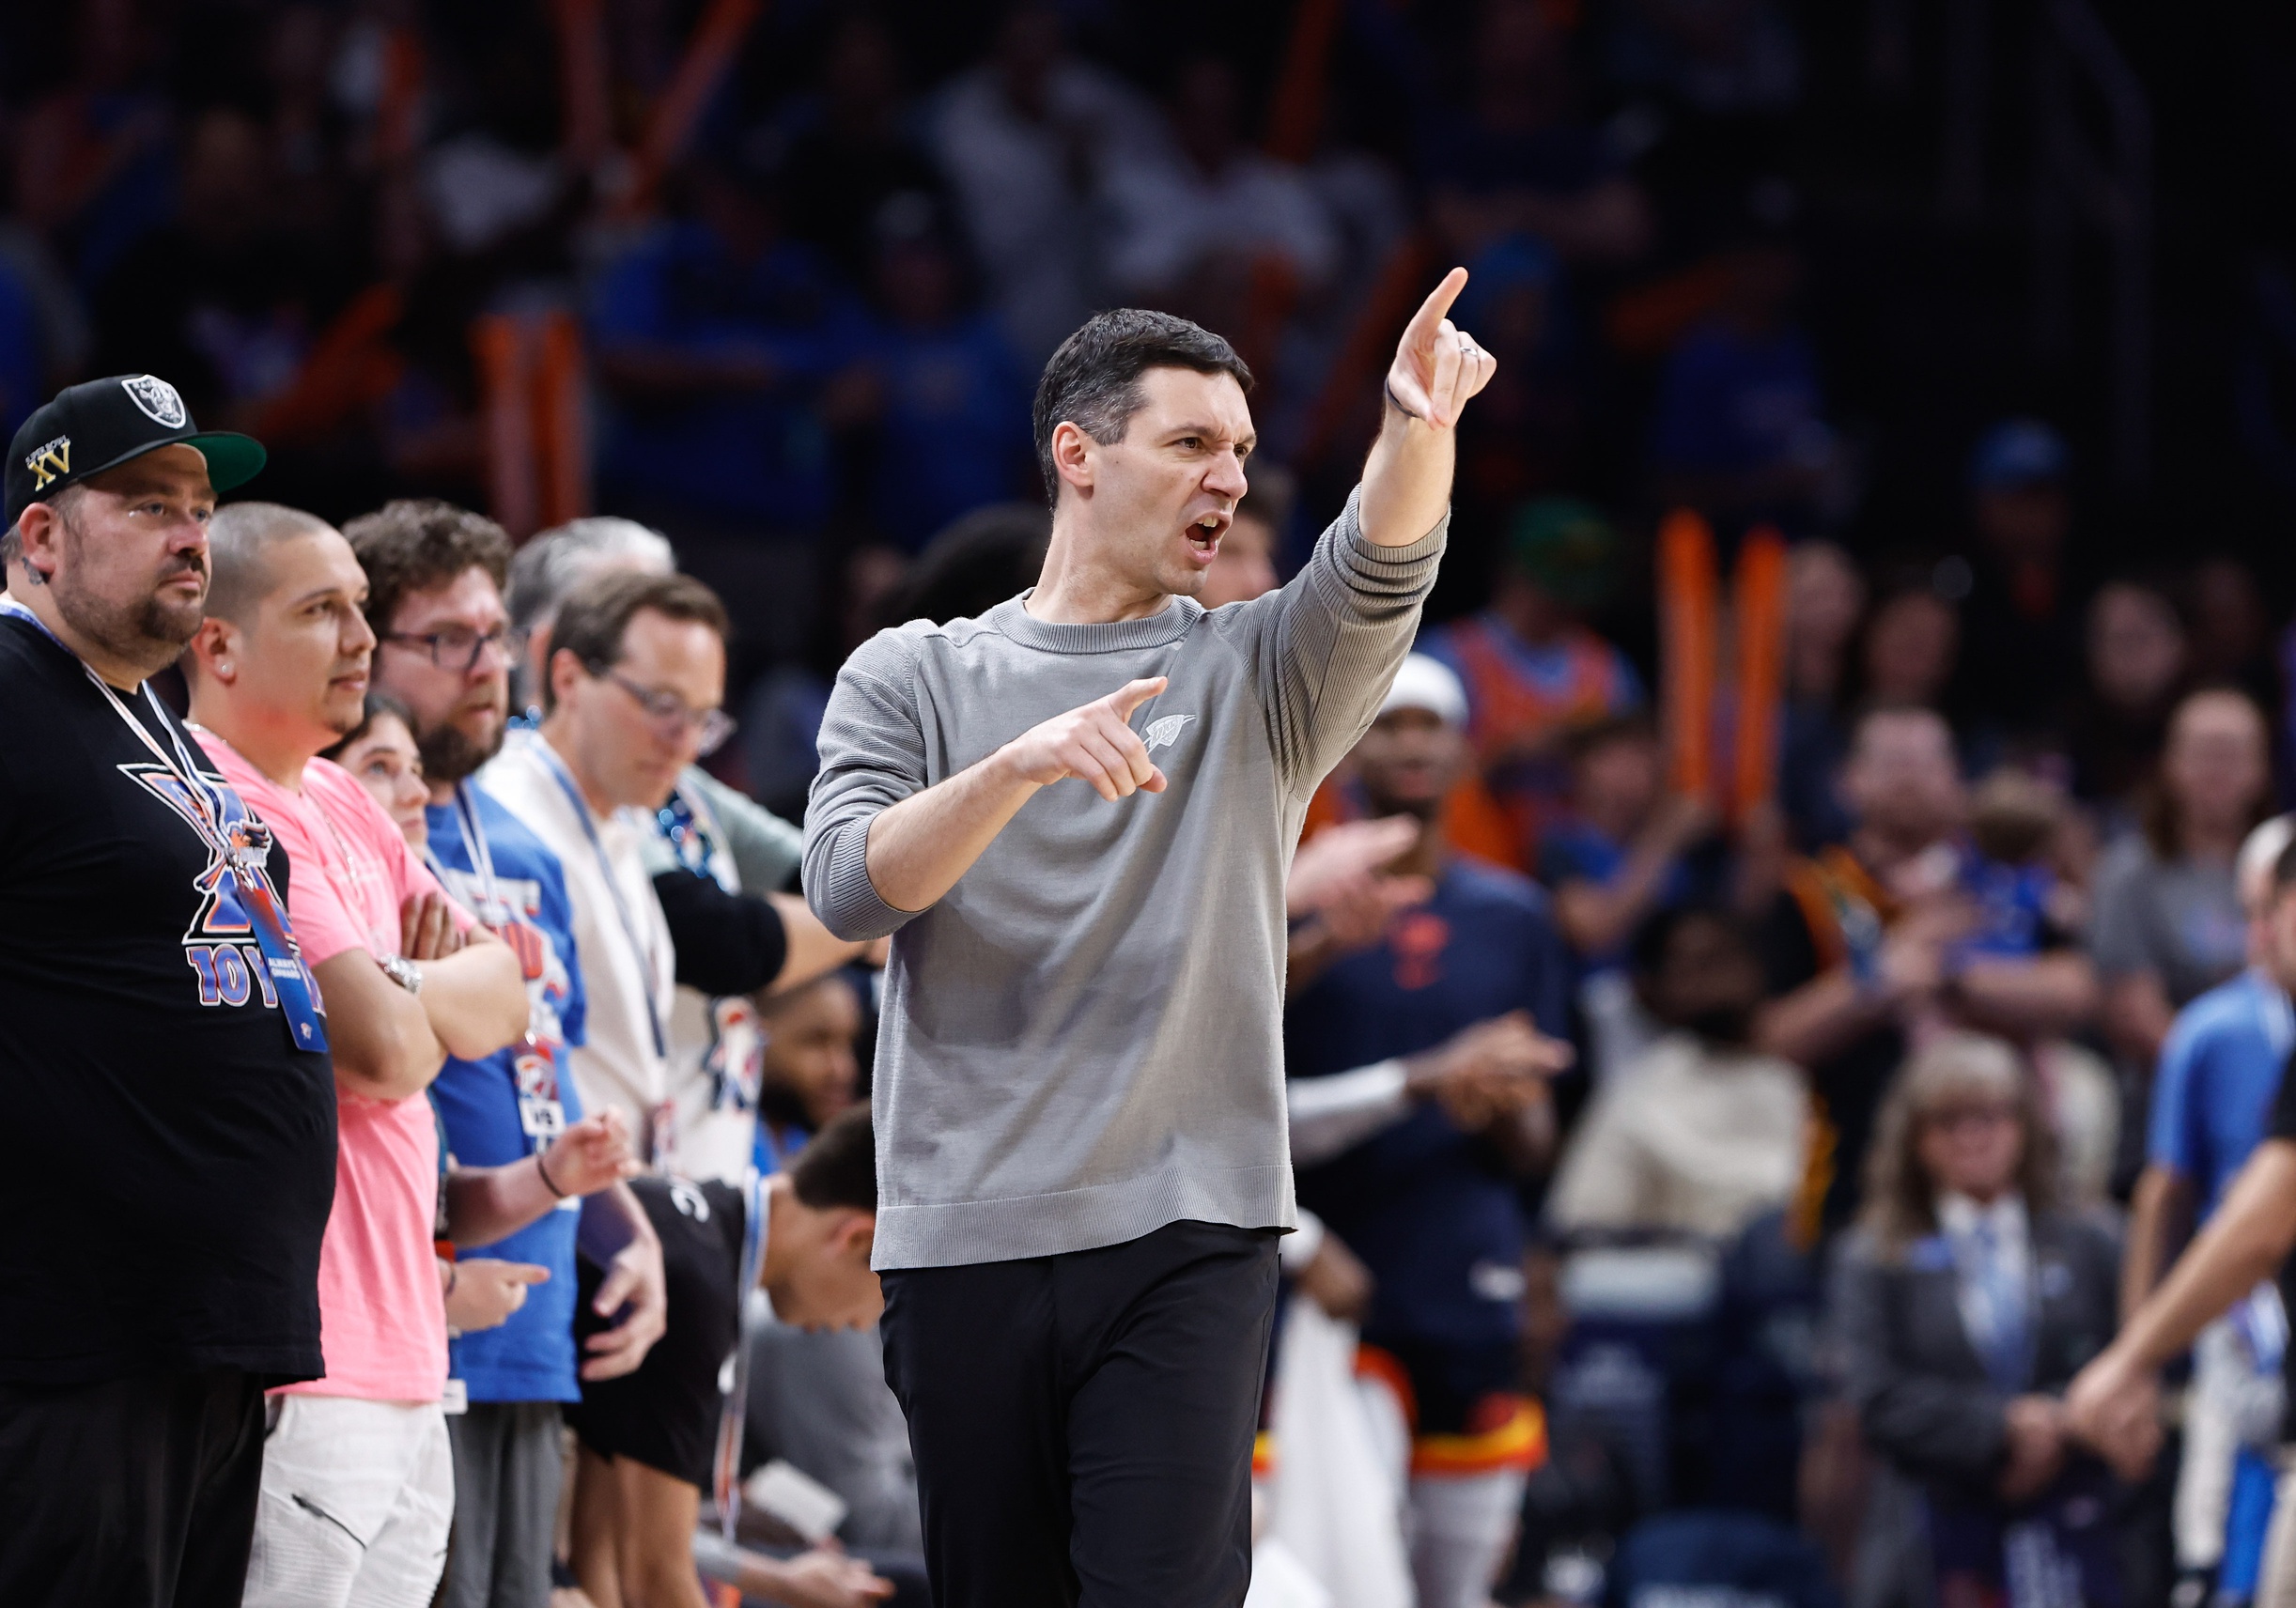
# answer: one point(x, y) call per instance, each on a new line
point(1180, 577)
point(449, 754)
point(148, 634)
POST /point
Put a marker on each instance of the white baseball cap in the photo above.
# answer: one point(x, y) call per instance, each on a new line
point(1429, 684)
point(2259, 857)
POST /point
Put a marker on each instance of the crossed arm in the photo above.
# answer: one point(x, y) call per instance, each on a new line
point(389, 1043)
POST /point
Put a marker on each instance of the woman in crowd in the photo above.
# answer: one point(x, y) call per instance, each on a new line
point(2169, 923)
point(381, 753)
point(1964, 1302)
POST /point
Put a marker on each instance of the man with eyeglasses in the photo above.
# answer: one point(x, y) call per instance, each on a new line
point(630, 699)
point(435, 575)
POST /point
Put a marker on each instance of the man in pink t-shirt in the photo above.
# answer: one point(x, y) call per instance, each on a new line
point(358, 1481)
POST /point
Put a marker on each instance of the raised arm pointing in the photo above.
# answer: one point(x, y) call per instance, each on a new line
point(1437, 367)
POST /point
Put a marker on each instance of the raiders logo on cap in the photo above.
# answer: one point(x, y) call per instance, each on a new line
point(101, 425)
point(162, 402)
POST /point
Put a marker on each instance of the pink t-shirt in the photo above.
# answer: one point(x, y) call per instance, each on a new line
point(382, 1324)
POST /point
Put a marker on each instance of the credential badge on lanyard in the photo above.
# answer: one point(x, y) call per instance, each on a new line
point(534, 1075)
point(639, 947)
point(238, 845)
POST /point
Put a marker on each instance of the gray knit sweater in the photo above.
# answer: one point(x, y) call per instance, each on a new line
point(1082, 1041)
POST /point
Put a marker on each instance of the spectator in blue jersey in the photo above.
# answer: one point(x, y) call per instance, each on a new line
point(1414, 1161)
point(2218, 1072)
point(714, 337)
point(435, 575)
point(948, 401)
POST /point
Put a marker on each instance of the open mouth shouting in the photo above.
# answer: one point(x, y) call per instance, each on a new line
point(1203, 536)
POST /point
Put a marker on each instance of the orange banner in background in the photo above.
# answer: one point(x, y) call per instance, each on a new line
point(716, 40)
point(1760, 624)
point(1296, 116)
point(1687, 632)
point(531, 386)
point(586, 89)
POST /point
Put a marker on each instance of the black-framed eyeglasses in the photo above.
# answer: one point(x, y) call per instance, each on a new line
point(457, 649)
point(709, 728)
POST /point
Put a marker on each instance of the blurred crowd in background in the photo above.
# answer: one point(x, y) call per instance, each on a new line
point(777, 283)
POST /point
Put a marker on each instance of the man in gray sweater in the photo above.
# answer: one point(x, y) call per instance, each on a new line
point(1079, 1078)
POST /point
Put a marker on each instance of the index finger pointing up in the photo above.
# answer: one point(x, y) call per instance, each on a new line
point(1419, 335)
point(1132, 694)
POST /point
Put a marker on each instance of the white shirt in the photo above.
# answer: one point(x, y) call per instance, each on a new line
point(1686, 1139)
point(622, 942)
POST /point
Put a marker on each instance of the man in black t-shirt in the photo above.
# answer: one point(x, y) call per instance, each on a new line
point(162, 1056)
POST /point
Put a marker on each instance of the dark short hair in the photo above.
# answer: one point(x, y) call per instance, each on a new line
point(595, 615)
point(1653, 934)
point(1093, 380)
point(973, 565)
point(837, 1165)
point(239, 537)
point(379, 703)
point(413, 544)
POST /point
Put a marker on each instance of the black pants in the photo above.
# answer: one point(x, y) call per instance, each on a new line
point(1083, 1424)
point(134, 1492)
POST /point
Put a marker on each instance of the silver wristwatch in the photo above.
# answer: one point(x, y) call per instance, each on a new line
point(404, 972)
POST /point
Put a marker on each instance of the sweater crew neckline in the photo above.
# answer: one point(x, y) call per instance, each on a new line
point(1167, 624)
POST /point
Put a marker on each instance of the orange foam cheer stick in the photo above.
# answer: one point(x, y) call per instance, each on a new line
point(1687, 603)
point(1762, 668)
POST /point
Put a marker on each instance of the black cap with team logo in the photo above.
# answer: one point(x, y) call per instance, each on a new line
point(101, 425)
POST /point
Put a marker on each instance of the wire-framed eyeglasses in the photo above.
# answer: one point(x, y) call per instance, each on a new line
point(670, 714)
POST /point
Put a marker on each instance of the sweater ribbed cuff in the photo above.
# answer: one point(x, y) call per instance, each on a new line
point(848, 903)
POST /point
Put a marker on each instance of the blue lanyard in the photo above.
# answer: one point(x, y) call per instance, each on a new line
point(494, 911)
point(639, 947)
point(239, 842)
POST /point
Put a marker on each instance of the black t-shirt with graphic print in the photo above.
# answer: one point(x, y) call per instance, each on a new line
point(172, 1155)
